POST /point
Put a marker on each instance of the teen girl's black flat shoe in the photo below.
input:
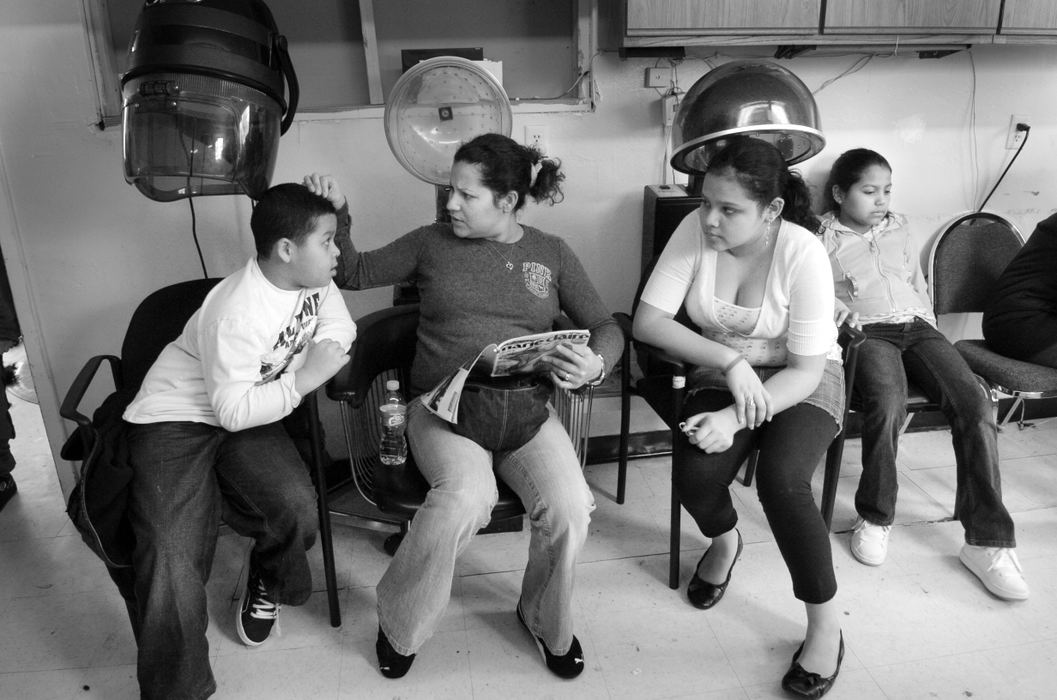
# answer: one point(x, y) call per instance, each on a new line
point(805, 684)
point(703, 594)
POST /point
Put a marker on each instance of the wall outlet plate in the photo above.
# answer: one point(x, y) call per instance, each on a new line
point(1015, 137)
point(658, 77)
point(536, 137)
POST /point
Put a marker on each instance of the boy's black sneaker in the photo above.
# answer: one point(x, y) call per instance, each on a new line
point(7, 488)
point(257, 612)
point(568, 665)
point(391, 662)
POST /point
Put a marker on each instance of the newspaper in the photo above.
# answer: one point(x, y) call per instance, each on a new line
point(521, 355)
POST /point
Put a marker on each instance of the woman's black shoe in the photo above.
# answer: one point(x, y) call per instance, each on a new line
point(391, 663)
point(810, 685)
point(703, 594)
point(568, 665)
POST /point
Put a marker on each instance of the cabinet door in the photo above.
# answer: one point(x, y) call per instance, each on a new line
point(1029, 17)
point(911, 16)
point(688, 17)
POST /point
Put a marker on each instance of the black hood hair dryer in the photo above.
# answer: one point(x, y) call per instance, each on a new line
point(202, 99)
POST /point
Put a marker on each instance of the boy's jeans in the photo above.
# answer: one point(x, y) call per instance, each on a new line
point(546, 475)
point(892, 353)
point(186, 478)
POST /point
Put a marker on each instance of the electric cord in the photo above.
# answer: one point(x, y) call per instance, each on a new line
point(194, 235)
point(1027, 132)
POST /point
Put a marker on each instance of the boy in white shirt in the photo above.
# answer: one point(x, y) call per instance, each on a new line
point(206, 443)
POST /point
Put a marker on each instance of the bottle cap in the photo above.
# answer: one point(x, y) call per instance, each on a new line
point(392, 385)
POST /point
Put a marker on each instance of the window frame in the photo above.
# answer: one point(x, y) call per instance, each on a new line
point(106, 75)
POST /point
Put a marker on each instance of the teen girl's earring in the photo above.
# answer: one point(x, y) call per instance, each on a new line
point(768, 231)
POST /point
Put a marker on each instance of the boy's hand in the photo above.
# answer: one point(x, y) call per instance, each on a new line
point(323, 359)
point(325, 186)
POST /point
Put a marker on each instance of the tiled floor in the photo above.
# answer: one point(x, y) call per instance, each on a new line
point(918, 627)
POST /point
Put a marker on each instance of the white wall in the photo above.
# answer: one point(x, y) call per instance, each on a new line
point(83, 248)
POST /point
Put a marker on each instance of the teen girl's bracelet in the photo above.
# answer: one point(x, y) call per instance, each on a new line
point(733, 362)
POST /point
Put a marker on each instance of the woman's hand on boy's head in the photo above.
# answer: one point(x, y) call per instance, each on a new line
point(325, 186)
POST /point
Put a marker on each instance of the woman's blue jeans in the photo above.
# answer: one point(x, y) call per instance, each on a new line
point(892, 354)
point(546, 475)
point(187, 477)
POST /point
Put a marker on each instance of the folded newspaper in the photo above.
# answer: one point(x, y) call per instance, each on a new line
point(521, 355)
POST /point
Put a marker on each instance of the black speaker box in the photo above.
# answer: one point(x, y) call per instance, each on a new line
point(663, 207)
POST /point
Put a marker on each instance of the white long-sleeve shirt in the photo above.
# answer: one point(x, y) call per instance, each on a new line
point(234, 364)
point(797, 310)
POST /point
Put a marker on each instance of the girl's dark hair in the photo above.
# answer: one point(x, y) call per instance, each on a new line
point(506, 166)
point(847, 170)
point(760, 168)
point(289, 210)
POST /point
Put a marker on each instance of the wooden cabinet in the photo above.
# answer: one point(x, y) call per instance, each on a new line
point(653, 17)
point(1029, 17)
point(911, 16)
point(657, 23)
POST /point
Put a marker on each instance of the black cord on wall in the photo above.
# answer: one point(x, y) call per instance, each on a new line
point(1027, 131)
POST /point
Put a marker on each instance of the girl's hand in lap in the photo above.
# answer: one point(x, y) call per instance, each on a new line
point(711, 432)
point(752, 402)
point(842, 313)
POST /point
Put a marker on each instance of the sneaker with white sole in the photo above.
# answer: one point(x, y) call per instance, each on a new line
point(869, 542)
point(998, 569)
point(257, 613)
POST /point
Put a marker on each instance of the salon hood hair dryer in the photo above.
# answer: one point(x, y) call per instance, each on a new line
point(203, 98)
point(751, 97)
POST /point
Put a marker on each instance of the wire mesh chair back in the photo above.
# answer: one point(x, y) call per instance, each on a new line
point(574, 411)
point(363, 433)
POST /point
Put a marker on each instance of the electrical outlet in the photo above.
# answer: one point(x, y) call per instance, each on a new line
point(1017, 131)
point(536, 137)
point(658, 77)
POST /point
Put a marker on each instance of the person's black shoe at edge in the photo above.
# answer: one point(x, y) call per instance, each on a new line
point(7, 489)
point(703, 594)
point(391, 663)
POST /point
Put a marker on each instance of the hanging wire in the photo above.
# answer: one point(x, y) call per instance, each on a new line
point(974, 147)
point(191, 200)
point(579, 79)
point(194, 234)
point(855, 67)
point(1027, 132)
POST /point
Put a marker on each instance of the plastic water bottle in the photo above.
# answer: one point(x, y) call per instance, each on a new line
point(393, 413)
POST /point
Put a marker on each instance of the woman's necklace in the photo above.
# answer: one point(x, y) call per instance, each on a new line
point(495, 251)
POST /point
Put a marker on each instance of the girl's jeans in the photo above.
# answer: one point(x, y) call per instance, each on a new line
point(544, 472)
point(892, 354)
point(791, 446)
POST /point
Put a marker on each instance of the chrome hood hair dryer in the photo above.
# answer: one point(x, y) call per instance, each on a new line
point(203, 98)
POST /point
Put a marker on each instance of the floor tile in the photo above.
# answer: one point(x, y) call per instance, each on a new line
point(919, 626)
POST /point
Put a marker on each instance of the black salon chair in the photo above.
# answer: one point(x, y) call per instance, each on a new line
point(158, 320)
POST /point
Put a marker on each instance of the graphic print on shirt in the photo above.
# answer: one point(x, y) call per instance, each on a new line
point(537, 278)
point(292, 339)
